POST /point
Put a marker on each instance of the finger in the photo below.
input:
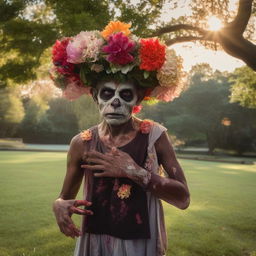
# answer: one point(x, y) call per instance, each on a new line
point(67, 227)
point(79, 211)
point(75, 230)
point(93, 167)
point(82, 202)
point(94, 160)
point(95, 154)
point(102, 174)
point(72, 231)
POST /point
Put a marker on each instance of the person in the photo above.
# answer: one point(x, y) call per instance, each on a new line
point(121, 158)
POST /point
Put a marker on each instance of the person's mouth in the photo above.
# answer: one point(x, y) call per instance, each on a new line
point(114, 115)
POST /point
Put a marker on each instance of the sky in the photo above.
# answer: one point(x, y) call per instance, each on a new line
point(193, 53)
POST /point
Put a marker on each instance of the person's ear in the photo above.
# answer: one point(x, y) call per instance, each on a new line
point(94, 93)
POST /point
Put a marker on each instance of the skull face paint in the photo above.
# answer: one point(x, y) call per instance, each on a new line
point(116, 101)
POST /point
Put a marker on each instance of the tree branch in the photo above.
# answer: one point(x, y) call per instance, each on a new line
point(173, 28)
point(241, 20)
point(183, 39)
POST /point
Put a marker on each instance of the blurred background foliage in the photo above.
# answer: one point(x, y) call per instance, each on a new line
point(218, 110)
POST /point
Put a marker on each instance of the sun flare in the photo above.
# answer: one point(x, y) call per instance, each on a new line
point(214, 23)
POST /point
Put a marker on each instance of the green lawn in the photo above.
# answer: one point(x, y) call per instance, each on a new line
point(221, 220)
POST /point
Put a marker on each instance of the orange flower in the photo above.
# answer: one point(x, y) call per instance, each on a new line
point(124, 191)
point(115, 27)
point(86, 135)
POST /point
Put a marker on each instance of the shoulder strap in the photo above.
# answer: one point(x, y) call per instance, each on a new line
point(155, 132)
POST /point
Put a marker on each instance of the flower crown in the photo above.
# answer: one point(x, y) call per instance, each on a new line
point(116, 54)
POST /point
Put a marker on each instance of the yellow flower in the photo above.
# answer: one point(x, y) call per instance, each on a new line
point(86, 135)
point(124, 191)
point(114, 27)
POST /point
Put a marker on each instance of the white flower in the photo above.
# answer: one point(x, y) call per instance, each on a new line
point(84, 47)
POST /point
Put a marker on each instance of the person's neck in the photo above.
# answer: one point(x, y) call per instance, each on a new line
point(116, 130)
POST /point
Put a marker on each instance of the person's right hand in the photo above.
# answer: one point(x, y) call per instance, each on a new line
point(63, 210)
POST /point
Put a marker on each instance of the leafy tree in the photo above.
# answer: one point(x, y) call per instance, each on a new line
point(35, 109)
point(243, 89)
point(233, 37)
point(30, 27)
point(11, 112)
point(197, 117)
point(61, 122)
point(86, 112)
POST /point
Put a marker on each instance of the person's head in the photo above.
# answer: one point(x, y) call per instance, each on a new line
point(116, 100)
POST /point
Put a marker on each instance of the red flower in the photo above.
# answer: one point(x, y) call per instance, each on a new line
point(145, 126)
point(136, 109)
point(152, 54)
point(59, 57)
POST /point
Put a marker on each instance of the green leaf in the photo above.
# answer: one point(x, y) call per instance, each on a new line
point(146, 74)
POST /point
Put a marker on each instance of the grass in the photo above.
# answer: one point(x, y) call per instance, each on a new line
point(220, 221)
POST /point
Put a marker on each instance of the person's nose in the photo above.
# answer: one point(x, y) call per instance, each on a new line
point(116, 103)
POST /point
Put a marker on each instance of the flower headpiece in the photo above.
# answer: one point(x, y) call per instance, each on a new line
point(116, 54)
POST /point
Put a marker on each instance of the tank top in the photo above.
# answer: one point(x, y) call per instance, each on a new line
point(119, 204)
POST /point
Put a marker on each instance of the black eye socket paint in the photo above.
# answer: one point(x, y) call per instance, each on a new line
point(126, 95)
point(107, 94)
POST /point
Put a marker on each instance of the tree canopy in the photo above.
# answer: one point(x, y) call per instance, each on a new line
point(28, 28)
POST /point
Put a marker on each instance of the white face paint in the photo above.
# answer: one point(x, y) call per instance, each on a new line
point(116, 101)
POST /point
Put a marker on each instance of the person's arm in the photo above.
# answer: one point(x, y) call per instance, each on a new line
point(117, 163)
point(66, 204)
point(173, 188)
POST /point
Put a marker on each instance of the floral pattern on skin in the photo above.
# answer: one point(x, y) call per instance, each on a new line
point(145, 126)
point(124, 191)
point(86, 135)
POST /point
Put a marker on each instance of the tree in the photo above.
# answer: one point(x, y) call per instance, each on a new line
point(11, 112)
point(86, 112)
point(231, 37)
point(204, 115)
point(35, 109)
point(243, 89)
point(30, 27)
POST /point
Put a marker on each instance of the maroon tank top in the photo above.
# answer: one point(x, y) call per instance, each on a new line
point(119, 204)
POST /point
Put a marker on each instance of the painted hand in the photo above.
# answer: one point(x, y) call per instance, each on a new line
point(63, 210)
point(115, 163)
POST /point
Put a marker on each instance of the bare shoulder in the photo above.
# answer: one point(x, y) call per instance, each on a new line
point(76, 145)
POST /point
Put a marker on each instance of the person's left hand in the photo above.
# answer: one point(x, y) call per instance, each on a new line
point(115, 163)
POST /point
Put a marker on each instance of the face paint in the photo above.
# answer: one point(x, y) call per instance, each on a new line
point(116, 101)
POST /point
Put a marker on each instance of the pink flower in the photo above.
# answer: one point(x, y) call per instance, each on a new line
point(119, 48)
point(136, 109)
point(84, 47)
point(145, 126)
point(75, 89)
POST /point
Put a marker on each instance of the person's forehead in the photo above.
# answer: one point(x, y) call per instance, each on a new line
point(117, 86)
